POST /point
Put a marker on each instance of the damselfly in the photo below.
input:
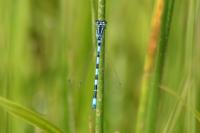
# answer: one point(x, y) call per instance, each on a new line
point(99, 36)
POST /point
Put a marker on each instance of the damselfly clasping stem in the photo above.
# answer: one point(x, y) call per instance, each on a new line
point(101, 24)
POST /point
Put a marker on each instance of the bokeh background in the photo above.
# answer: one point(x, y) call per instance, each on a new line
point(47, 63)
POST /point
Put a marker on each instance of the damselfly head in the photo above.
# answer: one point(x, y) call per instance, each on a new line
point(101, 23)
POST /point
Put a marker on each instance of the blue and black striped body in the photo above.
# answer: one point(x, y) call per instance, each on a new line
point(99, 36)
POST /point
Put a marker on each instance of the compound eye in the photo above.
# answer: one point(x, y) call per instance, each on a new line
point(101, 22)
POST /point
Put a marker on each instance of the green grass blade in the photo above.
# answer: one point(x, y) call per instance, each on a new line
point(28, 115)
point(182, 103)
point(148, 66)
point(158, 69)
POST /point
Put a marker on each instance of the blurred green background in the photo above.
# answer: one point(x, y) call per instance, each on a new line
point(47, 63)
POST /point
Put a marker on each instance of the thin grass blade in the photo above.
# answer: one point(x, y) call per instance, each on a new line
point(31, 117)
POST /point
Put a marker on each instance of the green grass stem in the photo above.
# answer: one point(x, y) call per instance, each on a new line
point(18, 57)
point(93, 5)
point(62, 64)
point(158, 69)
point(149, 62)
point(100, 94)
point(190, 122)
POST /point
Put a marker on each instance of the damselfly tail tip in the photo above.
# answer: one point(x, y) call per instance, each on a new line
point(94, 103)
